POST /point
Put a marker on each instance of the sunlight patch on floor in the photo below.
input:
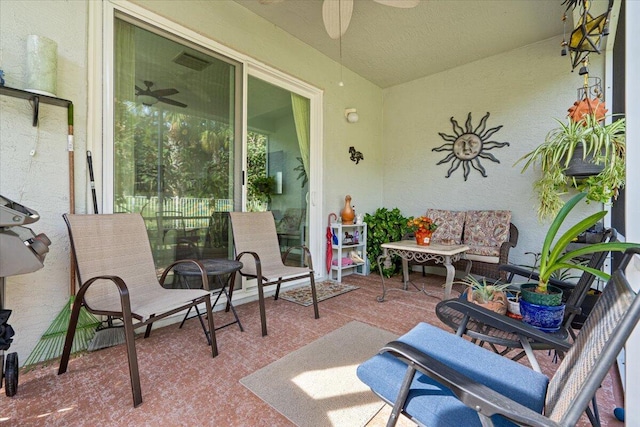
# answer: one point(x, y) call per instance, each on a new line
point(314, 383)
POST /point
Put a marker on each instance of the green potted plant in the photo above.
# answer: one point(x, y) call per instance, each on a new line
point(555, 257)
point(263, 187)
point(588, 139)
point(492, 296)
point(384, 226)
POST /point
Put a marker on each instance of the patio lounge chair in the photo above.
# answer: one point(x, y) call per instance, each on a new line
point(255, 236)
point(118, 276)
point(436, 378)
point(487, 327)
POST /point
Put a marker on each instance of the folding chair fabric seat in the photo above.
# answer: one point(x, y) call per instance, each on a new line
point(435, 405)
point(257, 247)
point(130, 258)
point(115, 266)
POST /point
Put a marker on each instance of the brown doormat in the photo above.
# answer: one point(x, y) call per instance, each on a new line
point(324, 290)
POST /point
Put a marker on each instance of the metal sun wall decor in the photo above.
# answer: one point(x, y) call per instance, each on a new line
point(468, 145)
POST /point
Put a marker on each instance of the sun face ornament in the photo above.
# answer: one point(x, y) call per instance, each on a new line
point(467, 146)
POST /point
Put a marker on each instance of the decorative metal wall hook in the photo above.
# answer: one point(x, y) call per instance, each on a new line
point(356, 156)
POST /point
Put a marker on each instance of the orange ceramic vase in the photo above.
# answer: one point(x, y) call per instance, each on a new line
point(423, 237)
point(347, 213)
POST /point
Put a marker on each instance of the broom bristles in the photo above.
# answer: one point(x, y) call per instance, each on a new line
point(107, 337)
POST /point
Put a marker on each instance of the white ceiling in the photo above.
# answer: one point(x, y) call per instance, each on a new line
point(389, 45)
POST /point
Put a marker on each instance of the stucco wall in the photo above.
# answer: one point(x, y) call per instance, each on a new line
point(41, 181)
point(524, 90)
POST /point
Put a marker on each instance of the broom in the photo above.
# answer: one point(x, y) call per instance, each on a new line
point(107, 334)
point(52, 341)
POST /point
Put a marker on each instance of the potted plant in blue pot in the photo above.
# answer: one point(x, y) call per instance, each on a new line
point(540, 303)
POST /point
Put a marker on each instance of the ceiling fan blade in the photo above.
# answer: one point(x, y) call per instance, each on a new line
point(138, 90)
point(171, 102)
point(403, 4)
point(334, 13)
point(164, 92)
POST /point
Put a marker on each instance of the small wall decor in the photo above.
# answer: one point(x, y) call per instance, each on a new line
point(468, 145)
point(356, 156)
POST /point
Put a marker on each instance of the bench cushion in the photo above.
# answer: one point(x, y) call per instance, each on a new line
point(434, 405)
point(450, 226)
point(487, 228)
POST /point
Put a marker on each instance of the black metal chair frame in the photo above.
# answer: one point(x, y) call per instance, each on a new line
point(486, 327)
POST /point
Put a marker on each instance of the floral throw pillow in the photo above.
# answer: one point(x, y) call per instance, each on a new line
point(450, 225)
point(487, 228)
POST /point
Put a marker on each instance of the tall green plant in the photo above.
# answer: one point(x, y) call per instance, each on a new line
point(554, 257)
point(384, 226)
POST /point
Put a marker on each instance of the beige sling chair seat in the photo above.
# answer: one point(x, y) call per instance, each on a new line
point(257, 247)
point(118, 278)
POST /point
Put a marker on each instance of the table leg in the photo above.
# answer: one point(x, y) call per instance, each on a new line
point(451, 272)
point(384, 256)
point(405, 274)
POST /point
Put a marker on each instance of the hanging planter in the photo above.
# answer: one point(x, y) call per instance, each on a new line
point(602, 144)
point(583, 165)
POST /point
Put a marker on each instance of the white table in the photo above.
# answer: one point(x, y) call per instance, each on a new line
point(409, 250)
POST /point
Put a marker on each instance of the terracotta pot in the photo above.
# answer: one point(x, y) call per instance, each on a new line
point(499, 303)
point(423, 238)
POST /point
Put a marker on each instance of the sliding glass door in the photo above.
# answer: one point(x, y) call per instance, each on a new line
point(184, 156)
point(278, 159)
point(175, 141)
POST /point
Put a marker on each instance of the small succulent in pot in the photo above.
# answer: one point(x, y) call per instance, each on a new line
point(488, 295)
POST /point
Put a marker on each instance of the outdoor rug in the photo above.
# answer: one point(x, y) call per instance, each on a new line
point(324, 290)
point(317, 385)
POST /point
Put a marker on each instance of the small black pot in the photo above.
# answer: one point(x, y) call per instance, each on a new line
point(582, 168)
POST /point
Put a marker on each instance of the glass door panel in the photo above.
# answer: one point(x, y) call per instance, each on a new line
point(278, 159)
point(175, 137)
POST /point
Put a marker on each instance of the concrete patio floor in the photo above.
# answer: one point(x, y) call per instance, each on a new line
point(183, 385)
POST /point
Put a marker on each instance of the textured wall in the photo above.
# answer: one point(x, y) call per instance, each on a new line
point(524, 90)
point(41, 181)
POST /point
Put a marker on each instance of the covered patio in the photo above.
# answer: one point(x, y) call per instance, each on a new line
point(520, 89)
point(182, 385)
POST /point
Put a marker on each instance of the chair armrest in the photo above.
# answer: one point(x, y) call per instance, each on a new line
point(486, 401)
point(256, 259)
point(503, 323)
point(306, 251)
point(203, 271)
point(511, 243)
point(532, 276)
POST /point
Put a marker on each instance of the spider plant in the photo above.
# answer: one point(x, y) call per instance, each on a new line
point(601, 144)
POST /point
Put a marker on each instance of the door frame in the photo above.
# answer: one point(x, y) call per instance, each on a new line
point(101, 115)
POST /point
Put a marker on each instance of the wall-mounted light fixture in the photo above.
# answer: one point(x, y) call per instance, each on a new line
point(351, 115)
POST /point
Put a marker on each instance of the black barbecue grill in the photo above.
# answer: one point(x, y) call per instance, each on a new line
point(21, 251)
